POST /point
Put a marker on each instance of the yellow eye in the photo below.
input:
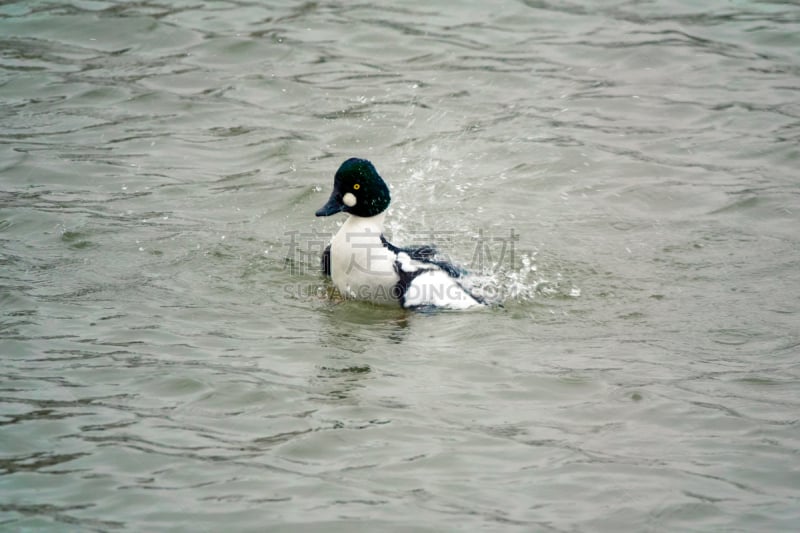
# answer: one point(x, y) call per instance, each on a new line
point(356, 187)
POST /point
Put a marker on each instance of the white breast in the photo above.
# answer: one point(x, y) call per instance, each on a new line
point(361, 266)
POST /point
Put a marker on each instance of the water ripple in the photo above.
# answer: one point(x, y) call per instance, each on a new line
point(170, 352)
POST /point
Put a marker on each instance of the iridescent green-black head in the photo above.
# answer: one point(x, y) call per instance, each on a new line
point(358, 189)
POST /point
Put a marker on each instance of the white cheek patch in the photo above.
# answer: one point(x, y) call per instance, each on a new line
point(349, 199)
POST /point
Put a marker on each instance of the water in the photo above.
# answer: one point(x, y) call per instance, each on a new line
point(171, 363)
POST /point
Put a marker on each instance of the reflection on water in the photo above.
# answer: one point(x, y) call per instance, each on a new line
point(354, 326)
point(622, 177)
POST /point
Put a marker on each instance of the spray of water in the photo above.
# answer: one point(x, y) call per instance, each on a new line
point(500, 267)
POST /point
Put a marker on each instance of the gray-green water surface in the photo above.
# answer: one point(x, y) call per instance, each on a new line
point(623, 174)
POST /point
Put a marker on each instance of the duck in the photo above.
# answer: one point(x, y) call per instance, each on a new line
point(363, 265)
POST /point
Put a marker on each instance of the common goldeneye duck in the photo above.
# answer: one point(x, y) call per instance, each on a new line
point(363, 265)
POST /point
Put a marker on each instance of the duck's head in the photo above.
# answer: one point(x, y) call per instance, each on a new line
point(358, 189)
